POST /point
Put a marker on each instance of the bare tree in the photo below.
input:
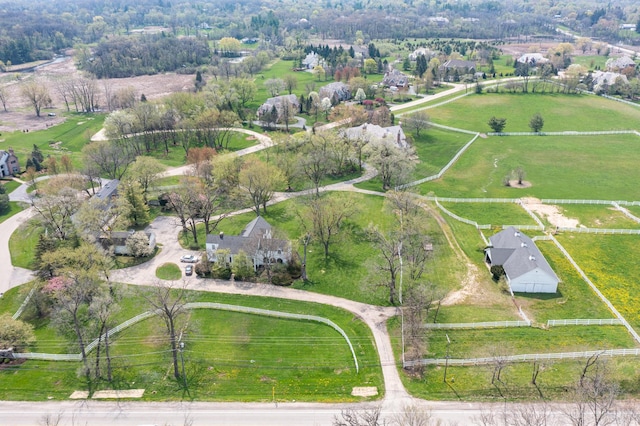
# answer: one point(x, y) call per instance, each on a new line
point(367, 417)
point(55, 212)
point(290, 82)
point(274, 86)
point(37, 94)
point(326, 216)
point(260, 180)
point(417, 122)
point(413, 415)
point(3, 98)
point(110, 158)
point(168, 300)
point(389, 246)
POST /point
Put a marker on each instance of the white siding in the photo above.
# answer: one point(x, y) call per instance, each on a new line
point(535, 281)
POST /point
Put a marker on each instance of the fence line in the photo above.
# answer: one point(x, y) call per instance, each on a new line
point(533, 215)
point(600, 231)
point(476, 200)
point(561, 322)
point(486, 324)
point(608, 202)
point(523, 357)
point(445, 168)
point(626, 212)
point(196, 305)
point(624, 101)
point(566, 133)
point(461, 219)
point(596, 290)
point(24, 304)
point(453, 129)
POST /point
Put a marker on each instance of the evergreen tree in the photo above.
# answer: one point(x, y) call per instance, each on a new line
point(37, 154)
point(138, 209)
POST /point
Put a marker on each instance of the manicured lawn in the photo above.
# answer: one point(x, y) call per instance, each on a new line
point(9, 185)
point(22, 244)
point(590, 61)
point(600, 167)
point(496, 214)
point(14, 208)
point(169, 271)
point(74, 133)
point(228, 356)
point(560, 112)
point(435, 148)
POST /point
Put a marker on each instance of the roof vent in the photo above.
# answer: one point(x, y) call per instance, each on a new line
point(523, 244)
point(517, 234)
point(532, 258)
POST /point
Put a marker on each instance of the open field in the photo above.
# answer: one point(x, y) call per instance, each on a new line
point(228, 356)
point(560, 112)
point(574, 167)
point(497, 214)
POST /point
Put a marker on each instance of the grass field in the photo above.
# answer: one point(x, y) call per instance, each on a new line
point(600, 167)
point(169, 271)
point(559, 112)
point(599, 216)
point(74, 133)
point(14, 208)
point(228, 356)
point(497, 214)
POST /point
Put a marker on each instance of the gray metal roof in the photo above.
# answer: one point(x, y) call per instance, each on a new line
point(525, 255)
point(109, 190)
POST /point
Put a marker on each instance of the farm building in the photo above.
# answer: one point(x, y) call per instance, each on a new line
point(525, 268)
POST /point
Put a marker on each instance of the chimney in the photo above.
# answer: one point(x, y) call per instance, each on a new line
point(221, 235)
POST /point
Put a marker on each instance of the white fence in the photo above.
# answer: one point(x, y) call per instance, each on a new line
point(600, 231)
point(196, 305)
point(24, 304)
point(561, 322)
point(461, 219)
point(470, 325)
point(523, 357)
point(625, 212)
point(566, 133)
point(620, 100)
point(607, 202)
point(445, 168)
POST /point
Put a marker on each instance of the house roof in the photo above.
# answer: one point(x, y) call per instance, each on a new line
point(257, 227)
point(518, 254)
point(249, 240)
point(109, 190)
point(373, 130)
point(459, 64)
point(532, 58)
point(607, 77)
point(395, 78)
point(620, 63)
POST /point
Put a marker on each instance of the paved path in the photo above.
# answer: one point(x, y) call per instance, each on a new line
point(12, 276)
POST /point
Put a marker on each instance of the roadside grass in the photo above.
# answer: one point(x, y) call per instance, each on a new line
point(14, 208)
point(9, 185)
point(228, 356)
point(599, 168)
point(473, 313)
point(12, 299)
point(574, 299)
point(478, 343)
point(74, 133)
point(609, 262)
point(22, 243)
point(599, 216)
point(558, 111)
point(473, 383)
point(169, 271)
point(497, 214)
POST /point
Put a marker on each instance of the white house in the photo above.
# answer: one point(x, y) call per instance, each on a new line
point(525, 268)
point(532, 59)
point(118, 241)
point(255, 240)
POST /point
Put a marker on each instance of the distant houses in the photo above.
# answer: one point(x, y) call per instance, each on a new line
point(533, 59)
point(337, 92)
point(395, 78)
point(623, 63)
point(525, 268)
point(256, 240)
point(9, 165)
point(601, 80)
point(278, 108)
point(453, 69)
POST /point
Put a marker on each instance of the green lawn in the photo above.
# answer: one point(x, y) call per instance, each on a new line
point(169, 271)
point(591, 61)
point(496, 214)
point(14, 208)
point(228, 356)
point(435, 148)
point(74, 133)
point(576, 167)
point(22, 243)
point(610, 262)
point(9, 185)
point(598, 216)
point(560, 112)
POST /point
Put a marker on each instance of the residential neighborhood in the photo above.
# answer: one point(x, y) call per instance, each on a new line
point(353, 213)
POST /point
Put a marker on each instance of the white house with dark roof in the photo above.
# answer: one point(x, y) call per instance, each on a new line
point(279, 103)
point(620, 63)
point(255, 240)
point(602, 79)
point(532, 59)
point(336, 91)
point(525, 268)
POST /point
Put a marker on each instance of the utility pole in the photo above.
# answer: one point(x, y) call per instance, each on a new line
point(446, 361)
point(184, 376)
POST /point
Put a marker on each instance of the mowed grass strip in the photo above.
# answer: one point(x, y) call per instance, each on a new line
point(560, 112)
point(599, 216)
point(573, 167)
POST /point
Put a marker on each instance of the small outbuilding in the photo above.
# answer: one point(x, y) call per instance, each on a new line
point(525, 268)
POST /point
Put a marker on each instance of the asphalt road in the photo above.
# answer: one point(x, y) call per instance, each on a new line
point(211, 414)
